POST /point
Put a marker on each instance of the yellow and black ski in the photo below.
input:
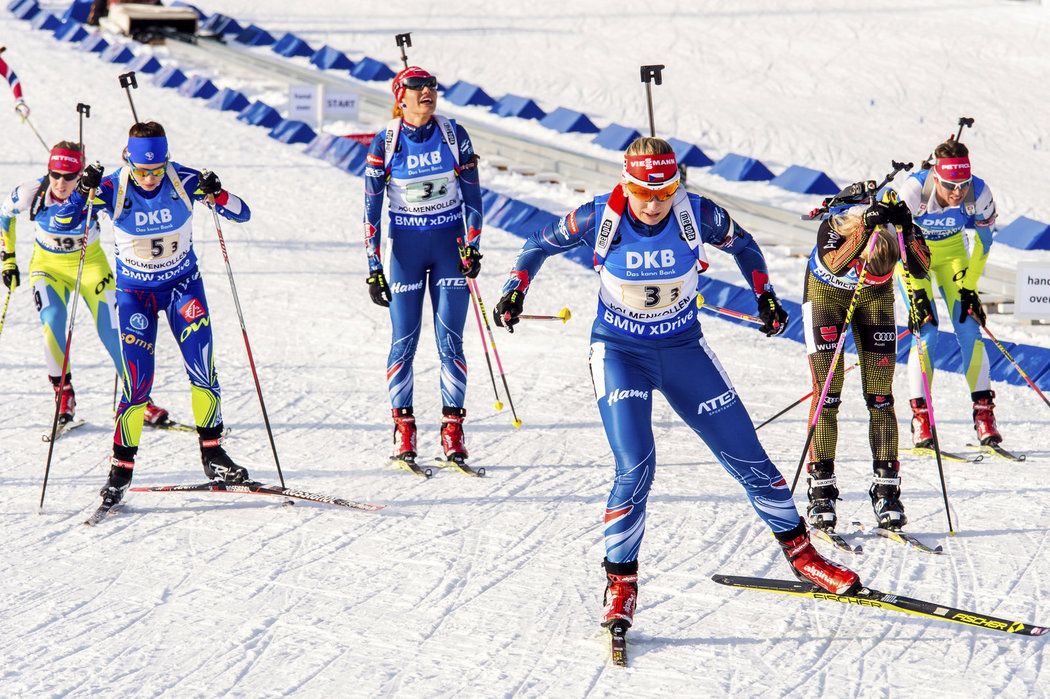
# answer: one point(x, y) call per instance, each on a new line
point(867, 597)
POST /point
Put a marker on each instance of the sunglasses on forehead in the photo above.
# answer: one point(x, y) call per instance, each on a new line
point(418, 83)
point(67, 176)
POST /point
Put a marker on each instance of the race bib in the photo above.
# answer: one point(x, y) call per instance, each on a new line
point(157, 247)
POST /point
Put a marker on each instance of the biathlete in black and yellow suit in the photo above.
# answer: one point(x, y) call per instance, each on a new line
point(53, 271)
point(843, 242)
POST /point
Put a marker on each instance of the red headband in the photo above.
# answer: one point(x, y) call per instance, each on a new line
point(65, 160)
point(953, 169)
point(651, 170)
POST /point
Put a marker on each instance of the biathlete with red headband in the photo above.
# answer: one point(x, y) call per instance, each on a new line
point(426, 166)
point(945, 201)
point(53, 272)
point(150, 201)
point(648, 236)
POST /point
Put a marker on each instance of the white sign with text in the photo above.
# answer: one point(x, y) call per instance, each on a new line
point(1033, 290)
point(302, 103)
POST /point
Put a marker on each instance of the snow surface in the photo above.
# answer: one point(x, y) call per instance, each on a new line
point(492, 587)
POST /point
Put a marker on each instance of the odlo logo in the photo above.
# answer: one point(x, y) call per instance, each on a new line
point(717, 403)
point(624, 393)
point(143, 218)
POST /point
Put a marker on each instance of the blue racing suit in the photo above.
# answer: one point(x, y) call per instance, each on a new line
point(157, 271)
point(646, 338)
point(434, 202)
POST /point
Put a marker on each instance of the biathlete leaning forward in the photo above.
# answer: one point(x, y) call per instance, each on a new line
point(426, 165)
point(150, 200)
point(843, 241)
point(647, 338)
point(53, 272)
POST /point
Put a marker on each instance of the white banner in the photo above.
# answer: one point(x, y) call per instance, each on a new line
point(302, 103)
point(1033, 290)
point(339, 104)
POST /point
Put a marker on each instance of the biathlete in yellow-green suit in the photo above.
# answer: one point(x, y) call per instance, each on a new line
point(53, 270)
point(945, 201)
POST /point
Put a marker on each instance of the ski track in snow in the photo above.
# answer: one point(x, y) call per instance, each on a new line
point(463, 586)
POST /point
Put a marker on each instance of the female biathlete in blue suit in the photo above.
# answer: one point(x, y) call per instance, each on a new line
point(150, 201)
point(647, 337)
point(426, 165)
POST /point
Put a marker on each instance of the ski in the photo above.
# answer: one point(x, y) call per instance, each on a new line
point(946, 455)
point(618, 643)
point(62, 428)
point(410, 465)
point(104, 510)
point(996, 450)
point(256, 488)
point(902, 538)
point(170, 425)
point(461, 466)
point(867, 597)
point(836, 540)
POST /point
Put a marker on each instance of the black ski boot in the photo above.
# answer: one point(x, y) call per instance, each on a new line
point(886, 495)
point(121, 467)
point(217, 463)
point(823, 493)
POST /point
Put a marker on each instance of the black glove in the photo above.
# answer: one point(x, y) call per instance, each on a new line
point(774, 317)
point(922, 311)
point(508, 309)
point(900, 215)
point(876, 215)
point(378, 289)
point(971, 302)
point(470, 260)
point(209, 183)
point(90, 179)
point(10, 274)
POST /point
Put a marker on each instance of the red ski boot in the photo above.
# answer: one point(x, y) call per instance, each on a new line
point(809, 566)
point(154, 415)
point(404, 433)
point(921, 434)
point(452, 433)
point(621, 592)
point(984, 418)
point(67, 403)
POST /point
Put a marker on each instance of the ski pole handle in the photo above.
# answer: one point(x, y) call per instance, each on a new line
point(563, 315)
point(651, 74)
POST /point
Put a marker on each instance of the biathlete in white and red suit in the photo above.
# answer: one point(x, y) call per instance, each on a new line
point(648, 236)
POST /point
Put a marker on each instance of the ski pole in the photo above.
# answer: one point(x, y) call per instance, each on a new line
point(3, 316)
point(485, 346)
point(128, 82)
point(964, 122)
point(1005, 354)
point(23, 111)
point(69, 342)
point(404, 40)
point(651, 74)
point(244, 332)
point(851, 367)
point(563, 315)
point(701, 302)
point(834, 360)
point(472, 285)
point(924, 358)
